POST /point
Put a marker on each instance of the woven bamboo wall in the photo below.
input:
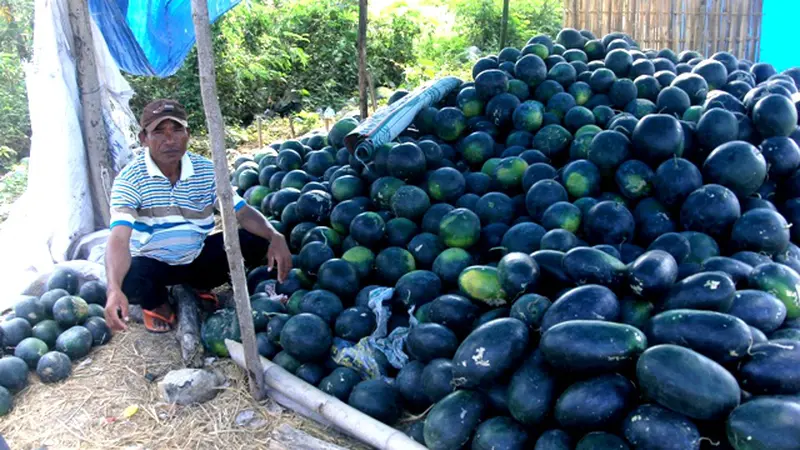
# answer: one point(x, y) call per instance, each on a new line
point(706, 26)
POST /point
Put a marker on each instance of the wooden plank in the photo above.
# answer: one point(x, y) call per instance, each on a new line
point(230, 228)
point(573, 13)
point(93, 127)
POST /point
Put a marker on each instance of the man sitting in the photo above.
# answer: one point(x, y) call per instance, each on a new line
point(162, 214)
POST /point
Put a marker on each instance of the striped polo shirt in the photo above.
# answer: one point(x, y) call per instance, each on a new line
point(170, 223)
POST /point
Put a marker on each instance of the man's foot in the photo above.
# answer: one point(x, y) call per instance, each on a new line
point(159, 320)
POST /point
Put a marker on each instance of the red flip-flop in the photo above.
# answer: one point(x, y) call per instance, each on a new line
point(150, 316)
point(208, 299)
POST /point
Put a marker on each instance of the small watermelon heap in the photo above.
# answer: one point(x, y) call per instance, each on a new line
point(596, 240)
point(46, 334)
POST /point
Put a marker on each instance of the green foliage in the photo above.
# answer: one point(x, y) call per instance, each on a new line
point(266, 49)
point(13, 183)
point(479, 21)
point(15, 41)
point(15, 126)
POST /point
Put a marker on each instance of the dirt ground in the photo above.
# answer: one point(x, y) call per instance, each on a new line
point(88, 410)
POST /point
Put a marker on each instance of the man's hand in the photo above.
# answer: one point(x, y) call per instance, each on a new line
point(280, 256)
point(116, 304)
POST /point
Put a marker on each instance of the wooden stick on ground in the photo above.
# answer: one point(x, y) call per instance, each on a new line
point(188, 333)
point(230, 228)
point(341, 415)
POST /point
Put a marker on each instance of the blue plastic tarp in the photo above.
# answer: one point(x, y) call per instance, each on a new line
point(150, 37)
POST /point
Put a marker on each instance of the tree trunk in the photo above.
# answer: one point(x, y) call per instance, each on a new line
point(504, 27)
point(95, 137)
point(216, 131)
point(362, 59)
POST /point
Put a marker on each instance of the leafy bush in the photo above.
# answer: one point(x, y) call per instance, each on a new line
point(479, 21)
point(307, 46)
point(265, 49)
point(15, 40)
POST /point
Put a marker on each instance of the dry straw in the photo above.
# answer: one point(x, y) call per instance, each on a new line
point(86, 410)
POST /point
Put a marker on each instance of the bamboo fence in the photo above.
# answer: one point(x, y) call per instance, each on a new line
point(707, 26)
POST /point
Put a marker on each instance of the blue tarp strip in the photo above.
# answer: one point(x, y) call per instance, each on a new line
point(150, 37)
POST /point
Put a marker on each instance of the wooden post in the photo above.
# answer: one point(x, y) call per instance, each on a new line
point(95, 137)
point(362, 59)
point(260, 138)
point(230, 229)
point(504, 25)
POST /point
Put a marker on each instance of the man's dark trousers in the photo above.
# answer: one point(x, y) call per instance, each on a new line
point(147, 280)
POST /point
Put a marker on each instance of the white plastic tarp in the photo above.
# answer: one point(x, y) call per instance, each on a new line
point(56, 211)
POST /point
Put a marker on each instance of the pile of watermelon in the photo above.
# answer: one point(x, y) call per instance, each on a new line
point(596, 241)
point(46, 334)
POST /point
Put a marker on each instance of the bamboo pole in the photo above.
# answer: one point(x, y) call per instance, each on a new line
point(699, 26)
point(686, 27)
point(216, 132)
point(342, 416)
point(741, 49)
point(751, 51)
point(573, 13)
point(600, 9)
point(673, 25)
point(362, 59)
point(587, 16)
point(647, 35)
point(93, 126)
point(757, 18)
point(730, 43)
point(704, 28)
point(718, 29)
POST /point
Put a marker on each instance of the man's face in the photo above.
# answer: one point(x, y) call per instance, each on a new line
point(167, 142)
